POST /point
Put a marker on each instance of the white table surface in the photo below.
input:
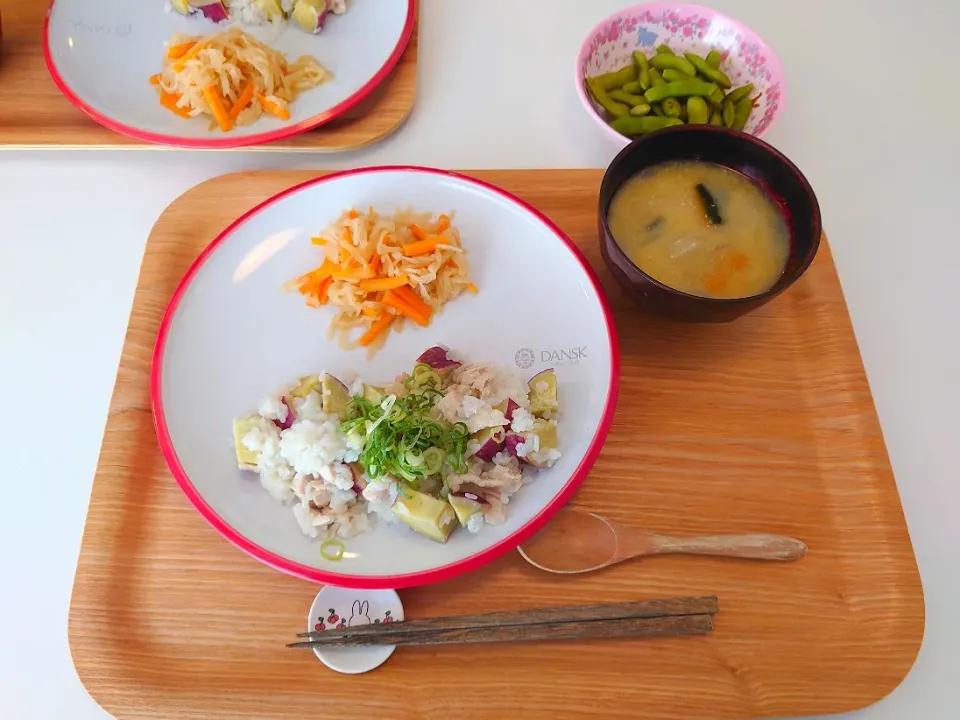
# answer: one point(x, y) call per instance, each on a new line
point(878, 139)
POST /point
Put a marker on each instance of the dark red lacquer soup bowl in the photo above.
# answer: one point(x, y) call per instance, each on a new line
point(765, 165)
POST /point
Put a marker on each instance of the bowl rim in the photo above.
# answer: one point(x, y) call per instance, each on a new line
point(214, 142)
point(739, 136)
point(580, 79)
point(444, 572)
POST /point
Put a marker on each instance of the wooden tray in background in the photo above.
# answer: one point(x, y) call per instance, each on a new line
point(762, 425)
point(34, 115)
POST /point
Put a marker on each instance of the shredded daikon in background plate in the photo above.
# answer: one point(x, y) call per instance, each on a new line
point(233, 78)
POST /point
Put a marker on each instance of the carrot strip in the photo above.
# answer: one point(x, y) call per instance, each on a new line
point(472, 288)
point(443, 222)
point(246, 95)
point(418, 232)
point(187, 57)
point(387, 283)
point(175, 52)
point(349, 272)
point(391, 299)
point(274, 109)
point(310, 288)
point(422, 247)
point(369, 312)
point(382, 323)
point(314, 275)
point(323, 290)
point(372, 267)
point(212, 97)
point(155, 79)
point(413, 300)
point(170, 101)
point(353, 214)
point(318, 241)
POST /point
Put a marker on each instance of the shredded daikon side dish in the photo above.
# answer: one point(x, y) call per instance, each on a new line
point(380, 271)
point(232, 78)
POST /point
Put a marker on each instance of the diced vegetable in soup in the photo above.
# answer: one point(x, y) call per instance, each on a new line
point(701, 228)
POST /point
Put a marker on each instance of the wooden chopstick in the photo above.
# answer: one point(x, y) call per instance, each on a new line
point(675, 625)
point(677, 616)
point(608, 611)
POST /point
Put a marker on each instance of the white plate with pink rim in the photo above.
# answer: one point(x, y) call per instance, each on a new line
point(230, 337)
point(102, 53)
point(684, 27)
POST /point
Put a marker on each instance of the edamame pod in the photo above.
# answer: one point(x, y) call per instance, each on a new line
point(657, 110)
point(717, 76)
point(740, 93)
point(716, 98)
point(679, 89)
point(635, 87)
point(672, 62)
point(716, 119)
point(640, 110)
point(656, 79)
point(625, 97)
point(741, 113)
point(728, 112)
point(643, 125)
point(617, 78)
point(643, 68)
point(671, 107)
point(613, 107)
point(671, 75)
point(698, 112)
point(663, 49)
point(714, 58)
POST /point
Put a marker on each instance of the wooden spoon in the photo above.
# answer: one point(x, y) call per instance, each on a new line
point(577, 541)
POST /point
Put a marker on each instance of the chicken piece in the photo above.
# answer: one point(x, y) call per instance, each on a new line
point(338, 475)
point(501, 478)
point(478, 415)
point(471, 379)
point(311, 490)
point(449, 406)
point(468, 481)
point(377, 492)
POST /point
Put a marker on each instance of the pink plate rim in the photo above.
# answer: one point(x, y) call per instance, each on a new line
point(655, 6)
point(239, 141)
point(365, 582)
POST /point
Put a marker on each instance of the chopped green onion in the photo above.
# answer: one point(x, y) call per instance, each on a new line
point(399, 434)
point(433, 460)
point(339, 549)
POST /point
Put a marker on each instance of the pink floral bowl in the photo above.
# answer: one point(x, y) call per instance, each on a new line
point(685, 28)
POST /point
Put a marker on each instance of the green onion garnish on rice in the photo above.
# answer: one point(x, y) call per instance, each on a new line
point(401, 436)
point(338, 549)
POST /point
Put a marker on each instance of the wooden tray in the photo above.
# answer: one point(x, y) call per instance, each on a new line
point(763, 425)
point(34, 115)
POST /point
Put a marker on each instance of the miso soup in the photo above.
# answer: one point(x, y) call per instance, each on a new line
point(701, 228)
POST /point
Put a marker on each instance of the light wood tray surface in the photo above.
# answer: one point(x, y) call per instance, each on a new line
point(35, 115)
point(763, 425)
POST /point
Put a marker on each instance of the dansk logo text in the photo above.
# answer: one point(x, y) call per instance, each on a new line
point(571, 355)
